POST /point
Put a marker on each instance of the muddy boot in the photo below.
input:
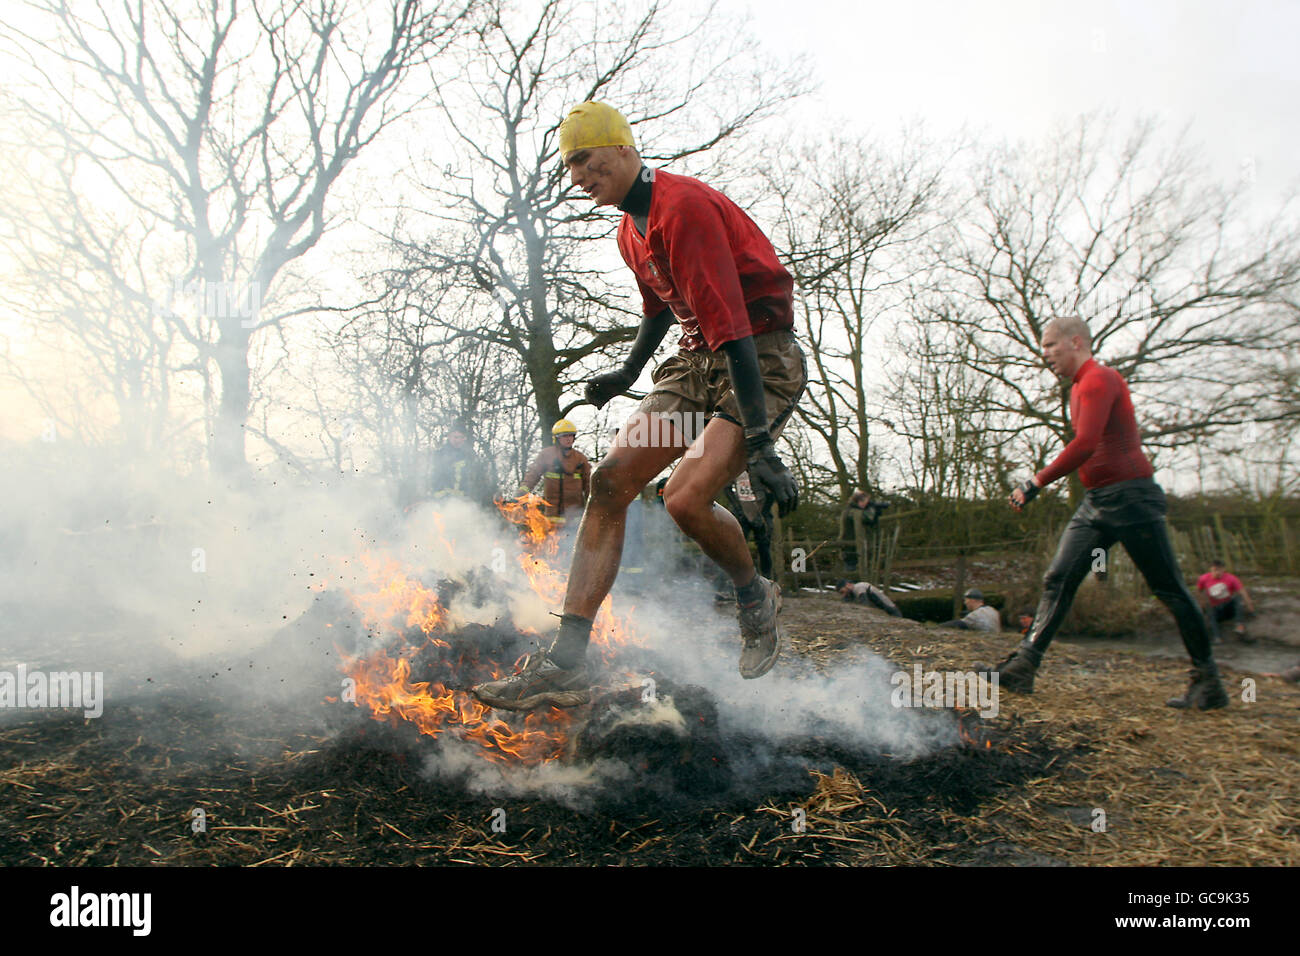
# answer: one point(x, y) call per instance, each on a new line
point(1205, 692)
point(1016, 673)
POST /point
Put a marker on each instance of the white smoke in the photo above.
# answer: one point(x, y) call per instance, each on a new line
point(691, 641)
point(118, 571)
point(700, 644)
point(574, 785)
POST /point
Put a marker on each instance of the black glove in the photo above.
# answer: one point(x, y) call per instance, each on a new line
point(609, 385)
point(766, 468)
point(1029, 490)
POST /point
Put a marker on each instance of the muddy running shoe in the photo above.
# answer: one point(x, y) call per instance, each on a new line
point(985, 667)
point(1016, 674)
point(1205, 692)
point(1243, 635)
point(541, 683)
point(761, 632)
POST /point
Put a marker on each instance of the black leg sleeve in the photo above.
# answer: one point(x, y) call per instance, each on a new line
point(1148, 545)
point(1074, 556)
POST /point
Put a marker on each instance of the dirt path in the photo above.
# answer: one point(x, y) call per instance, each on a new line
point(1276, 629)
point(1091, 769)
point(1173, 788)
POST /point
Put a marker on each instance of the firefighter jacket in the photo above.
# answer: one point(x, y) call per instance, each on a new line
point(568, 479)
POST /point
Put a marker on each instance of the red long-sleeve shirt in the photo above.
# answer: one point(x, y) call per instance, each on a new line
point(1106, 447)
point(702, 257)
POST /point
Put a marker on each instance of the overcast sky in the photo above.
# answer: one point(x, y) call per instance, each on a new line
point(1013, 68)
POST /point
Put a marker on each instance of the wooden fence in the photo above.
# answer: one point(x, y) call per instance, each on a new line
point(802, 562)
point(1268, 548)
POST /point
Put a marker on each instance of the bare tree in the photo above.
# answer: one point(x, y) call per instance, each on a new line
point(84, 340)
point(1180, 298)
point(1260, 459)
point(953, 447)
point(220, 127)
point(853, 222)
point(406, 384)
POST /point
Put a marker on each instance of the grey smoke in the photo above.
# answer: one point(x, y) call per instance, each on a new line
point(133, 573)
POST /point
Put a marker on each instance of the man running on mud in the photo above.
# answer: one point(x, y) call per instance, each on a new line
point(700, 261)
point(1123, 504)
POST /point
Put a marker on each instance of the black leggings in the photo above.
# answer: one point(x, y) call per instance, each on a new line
point(1133, 514)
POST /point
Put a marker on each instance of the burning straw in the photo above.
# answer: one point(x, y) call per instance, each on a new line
point(413, 624)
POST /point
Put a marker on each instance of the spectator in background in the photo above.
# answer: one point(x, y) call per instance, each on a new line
point(457, 471)
point(1221, 597)
point(979, 616)
point(567, 474)
point(1026, 620)
point(860, 503)
point(864, 593)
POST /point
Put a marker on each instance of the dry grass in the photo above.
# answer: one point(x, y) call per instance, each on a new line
point(1176, 788)
point(1217, 788)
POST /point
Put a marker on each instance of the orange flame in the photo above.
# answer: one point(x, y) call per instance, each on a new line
point(527, 511)
point(383, 683)
point(399, 603)
point(397, 596)
point(967, 738)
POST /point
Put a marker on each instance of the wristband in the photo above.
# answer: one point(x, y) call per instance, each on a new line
point(756, 438)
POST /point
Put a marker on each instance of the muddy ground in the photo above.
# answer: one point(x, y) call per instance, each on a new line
point(1091, 769)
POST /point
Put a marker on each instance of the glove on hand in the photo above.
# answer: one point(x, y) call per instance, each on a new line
point(1029, 491)
point(610, 385)
point(766, 468)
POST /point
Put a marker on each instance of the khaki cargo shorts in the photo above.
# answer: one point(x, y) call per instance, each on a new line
point(692, 387)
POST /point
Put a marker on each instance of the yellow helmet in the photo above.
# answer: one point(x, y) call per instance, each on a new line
point(590, 125)
point(563, 427)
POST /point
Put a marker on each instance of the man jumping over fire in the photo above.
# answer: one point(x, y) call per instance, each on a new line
point(701, 262)
point(1123, 504)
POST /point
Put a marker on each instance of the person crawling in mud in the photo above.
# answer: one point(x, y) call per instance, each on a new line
point(1123, 504)
point(1291, 674)
point(980, 616)
point(718, 404)
point(863, 592)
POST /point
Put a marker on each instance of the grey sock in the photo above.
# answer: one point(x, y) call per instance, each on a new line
point(570, 647)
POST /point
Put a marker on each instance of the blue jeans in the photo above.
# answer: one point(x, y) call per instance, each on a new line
point(1229, 610)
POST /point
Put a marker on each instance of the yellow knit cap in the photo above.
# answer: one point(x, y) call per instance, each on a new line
point(589, 125)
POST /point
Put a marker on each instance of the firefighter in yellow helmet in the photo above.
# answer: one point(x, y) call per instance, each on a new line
point(567, 473)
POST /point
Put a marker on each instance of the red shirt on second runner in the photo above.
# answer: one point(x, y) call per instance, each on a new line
point(706, 260)
point(1106, 446)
